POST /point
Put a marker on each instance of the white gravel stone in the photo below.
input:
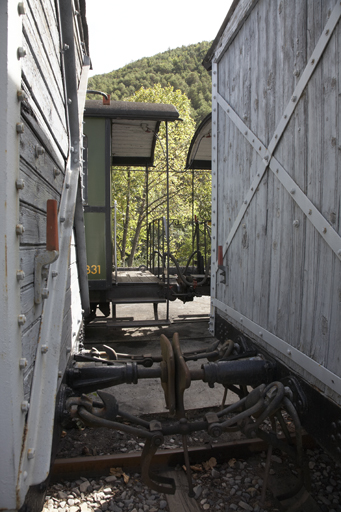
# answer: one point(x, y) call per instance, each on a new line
point(85, 508)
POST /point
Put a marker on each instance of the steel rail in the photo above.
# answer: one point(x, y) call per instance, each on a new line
point(97, 466)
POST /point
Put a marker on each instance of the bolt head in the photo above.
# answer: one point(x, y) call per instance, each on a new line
point(21, 8)
point(21, 95)
point(21, 319)
point(20, 229)
point(20, 184)
point(31, 453)
point(56, 172)
point(20, 275)
point(22, 363)
point(39, 151)
point(25, 406)
point(44, 349)
point(21, 52)
point(20, 128)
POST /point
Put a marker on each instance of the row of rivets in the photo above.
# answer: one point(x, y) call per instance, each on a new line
point(21, 52)
point(20, 229)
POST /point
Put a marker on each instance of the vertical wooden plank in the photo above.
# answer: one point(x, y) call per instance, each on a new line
point(285, 154)
point(268, 180)
point(277, 190)
point(326, 292)
point(334, 356)
point(41, 24)
point(297, 169)
point(313, 141)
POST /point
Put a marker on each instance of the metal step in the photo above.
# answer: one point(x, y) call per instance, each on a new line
point(137, 300)
point(136, 323)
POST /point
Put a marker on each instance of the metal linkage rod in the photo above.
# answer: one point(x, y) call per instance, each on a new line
point(86, 377)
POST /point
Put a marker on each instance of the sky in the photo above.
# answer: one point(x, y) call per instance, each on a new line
point(121, 32)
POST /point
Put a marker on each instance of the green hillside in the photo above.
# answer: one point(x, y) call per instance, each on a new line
point(180, 68)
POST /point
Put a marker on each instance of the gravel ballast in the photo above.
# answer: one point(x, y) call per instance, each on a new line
point(232, 486)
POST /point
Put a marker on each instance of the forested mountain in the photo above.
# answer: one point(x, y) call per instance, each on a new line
point(180, 68)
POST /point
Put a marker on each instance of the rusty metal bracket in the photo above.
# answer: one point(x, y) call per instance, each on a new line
point(41, 261)
point(51, 254)
point(156, 482)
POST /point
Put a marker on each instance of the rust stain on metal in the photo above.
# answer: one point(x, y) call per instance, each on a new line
point(20, 459)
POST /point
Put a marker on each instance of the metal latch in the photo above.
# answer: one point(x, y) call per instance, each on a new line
point(43, 259)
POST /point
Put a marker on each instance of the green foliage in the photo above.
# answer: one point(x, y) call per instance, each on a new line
point(129, 186)
point(181, 68)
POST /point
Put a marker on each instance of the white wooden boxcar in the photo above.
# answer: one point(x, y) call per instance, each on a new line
point(276, 189)
point(43, 77)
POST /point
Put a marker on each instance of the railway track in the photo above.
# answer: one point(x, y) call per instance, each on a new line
point(226, 476)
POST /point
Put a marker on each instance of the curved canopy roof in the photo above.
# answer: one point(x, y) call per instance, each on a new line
point(134, 128)
point(199, 153)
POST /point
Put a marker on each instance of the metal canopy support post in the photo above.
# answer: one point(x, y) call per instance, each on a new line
point(115, 241)
point(193, 229)
point(168, 247)
point(147, 206)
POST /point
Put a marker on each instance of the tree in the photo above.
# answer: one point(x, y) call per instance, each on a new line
point(130, 185)
point(180, 67)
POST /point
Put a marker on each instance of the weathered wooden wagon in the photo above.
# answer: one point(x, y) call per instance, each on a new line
point(276, 194)
point(44, 63)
